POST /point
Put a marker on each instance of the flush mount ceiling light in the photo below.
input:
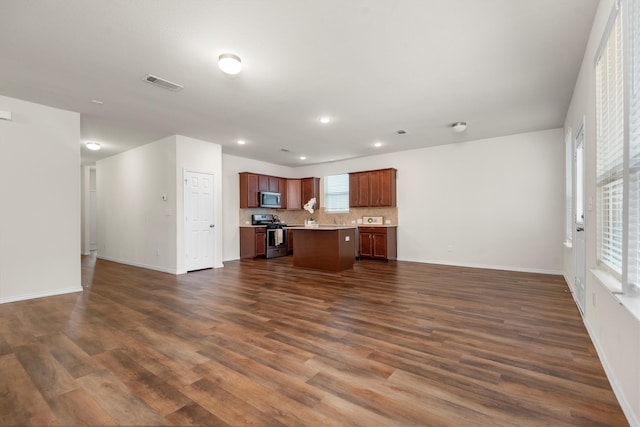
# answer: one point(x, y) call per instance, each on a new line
point(92, 145)
point(459, 127)
point(325, 119)
point(303, 158)
point(240, 142)
point(377, 144)
point(230, 63)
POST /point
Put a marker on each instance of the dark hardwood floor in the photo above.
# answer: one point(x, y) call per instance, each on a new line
point(260, 342)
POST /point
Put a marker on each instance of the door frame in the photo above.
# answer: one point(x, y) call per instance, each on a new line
point(185, 239)
point(579, 240)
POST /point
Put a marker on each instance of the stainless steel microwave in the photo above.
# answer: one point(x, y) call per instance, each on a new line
point(269, 200)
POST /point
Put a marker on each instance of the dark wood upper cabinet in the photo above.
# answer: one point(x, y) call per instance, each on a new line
point(274, 184)
point(372, 188)
point(310, 189)
point(263, 182)
point(249, 188)
point(282, 189)
point(294, 194)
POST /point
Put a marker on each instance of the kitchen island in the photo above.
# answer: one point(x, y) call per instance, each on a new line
point(327, 247)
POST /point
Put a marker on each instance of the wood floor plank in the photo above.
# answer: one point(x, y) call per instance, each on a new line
point(21, 403)
point(49, 376)
point(260, 342)
point(119, 401)
point(76, 407)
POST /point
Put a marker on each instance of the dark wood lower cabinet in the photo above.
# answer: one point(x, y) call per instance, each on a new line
point(378, 242)
point(290, 234)
point(253, 242)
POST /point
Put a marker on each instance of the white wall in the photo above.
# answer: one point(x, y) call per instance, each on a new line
point(40, 188)
point(613, 328)
point(137, 227)
point(493, 203)
point(133, 220)
point(198, 156)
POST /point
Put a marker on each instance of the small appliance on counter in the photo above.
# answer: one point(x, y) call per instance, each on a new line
point(277, 244)
point(372, 220)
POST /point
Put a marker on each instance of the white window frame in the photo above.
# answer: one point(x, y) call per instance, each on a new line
point(336, 198)
point(610, 122)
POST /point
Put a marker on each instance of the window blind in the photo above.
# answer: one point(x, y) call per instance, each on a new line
point(610, 147)
point(336, 193)
point(633, 248)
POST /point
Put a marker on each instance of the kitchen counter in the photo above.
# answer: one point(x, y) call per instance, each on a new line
point(321, 227)
point(330, 247)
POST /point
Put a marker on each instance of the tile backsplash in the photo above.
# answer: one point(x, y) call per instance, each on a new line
point(298, 216)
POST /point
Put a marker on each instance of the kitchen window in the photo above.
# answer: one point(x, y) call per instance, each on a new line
point(336, 193)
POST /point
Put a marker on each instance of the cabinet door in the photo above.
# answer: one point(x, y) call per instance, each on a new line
point(248, 190)
point(363, 189)
point(379, 245)
point(263, 182)
point(353, 190)
point(388, 187)
point(366, 249)
point(310, 187)
point(282, 189)
point(374, 188)
point(261, 242)
point(274, 184)
point(294, 194)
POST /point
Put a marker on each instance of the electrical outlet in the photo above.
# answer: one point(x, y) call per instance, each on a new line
point(347, 238)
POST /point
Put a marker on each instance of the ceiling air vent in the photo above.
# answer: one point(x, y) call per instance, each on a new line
point(150, 78)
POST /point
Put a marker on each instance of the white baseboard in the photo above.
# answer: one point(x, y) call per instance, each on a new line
point(485, 266)
point(136, 264)
point(40, 295)
point(627, 409)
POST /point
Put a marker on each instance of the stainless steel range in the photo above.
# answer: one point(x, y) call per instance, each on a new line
point(277, 244)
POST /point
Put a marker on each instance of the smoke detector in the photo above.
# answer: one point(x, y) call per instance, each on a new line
point(155, 80)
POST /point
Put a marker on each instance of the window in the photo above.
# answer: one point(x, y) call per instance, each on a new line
point(610, 144)
point(618, 146)
point(633, 244)
point(336, 193)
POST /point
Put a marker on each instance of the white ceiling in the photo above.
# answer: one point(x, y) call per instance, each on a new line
point(374, 66)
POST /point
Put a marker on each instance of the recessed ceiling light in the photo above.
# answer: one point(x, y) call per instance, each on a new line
point(92, 145)
point(378, 144)
point(303, 157)
point(325, 119)
point(230, 63)
point(241, 142)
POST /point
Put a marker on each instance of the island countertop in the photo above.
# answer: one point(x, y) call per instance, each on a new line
point(328, 227)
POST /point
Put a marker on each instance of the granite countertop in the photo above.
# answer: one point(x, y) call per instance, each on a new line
point(378, 225)
point(252, 226)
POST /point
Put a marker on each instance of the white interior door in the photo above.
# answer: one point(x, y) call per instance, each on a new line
point(578, 240)
point(199, 220)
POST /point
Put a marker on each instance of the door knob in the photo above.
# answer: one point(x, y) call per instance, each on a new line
point(580, 229)
point(211, 225)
